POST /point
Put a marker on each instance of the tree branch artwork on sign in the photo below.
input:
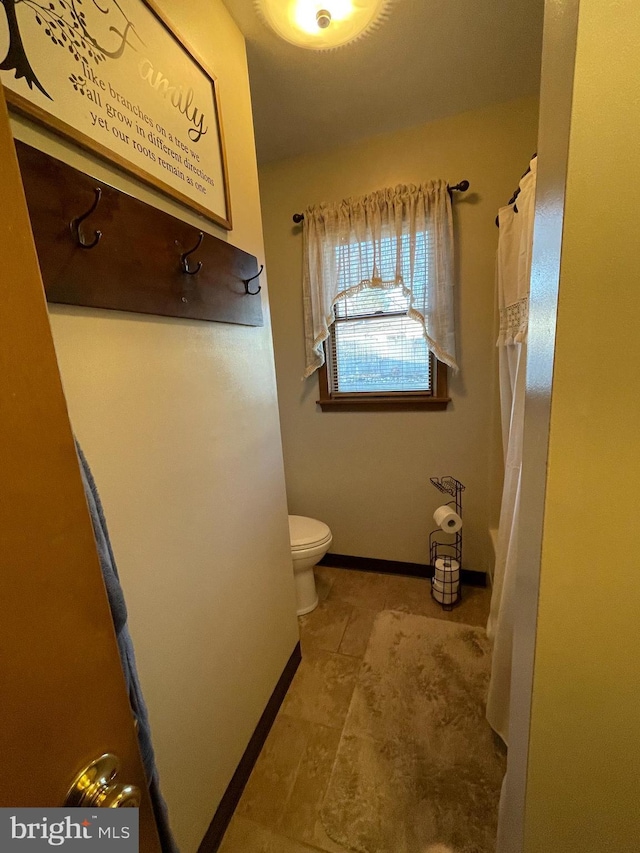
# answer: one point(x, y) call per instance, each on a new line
point(65, 26)
point(148, 104)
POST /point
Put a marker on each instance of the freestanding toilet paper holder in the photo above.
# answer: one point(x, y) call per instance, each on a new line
point(445, 554)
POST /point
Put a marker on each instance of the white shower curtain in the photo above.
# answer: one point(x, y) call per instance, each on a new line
point(513, 274)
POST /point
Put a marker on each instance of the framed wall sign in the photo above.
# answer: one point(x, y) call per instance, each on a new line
point(114, 77)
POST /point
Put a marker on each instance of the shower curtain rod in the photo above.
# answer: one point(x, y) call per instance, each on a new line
point(462, 187)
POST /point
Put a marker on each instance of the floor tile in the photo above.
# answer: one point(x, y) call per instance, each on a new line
point(361, 589)
point(413, 595)
point(325, 576)
point(356, 635)
point(410, 595)
point(474, 607)
point(274, 774)
point(324, 627)
point(322, 687)
point(245, 836)
point(303, 807)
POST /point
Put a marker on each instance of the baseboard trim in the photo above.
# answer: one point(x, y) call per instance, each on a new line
point(224, 812)
point(396, 567)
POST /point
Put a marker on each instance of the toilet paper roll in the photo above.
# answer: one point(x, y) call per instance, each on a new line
point(452, 587)
point(447, 564)
point(447, 570)
point(447, 519)
point(444, 596)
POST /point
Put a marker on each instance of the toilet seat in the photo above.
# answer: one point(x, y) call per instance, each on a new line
point(306, 533)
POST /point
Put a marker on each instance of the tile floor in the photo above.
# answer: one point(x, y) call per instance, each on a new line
point(279, 811)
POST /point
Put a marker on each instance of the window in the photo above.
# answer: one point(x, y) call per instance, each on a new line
point(377, 355)
point(378, 297)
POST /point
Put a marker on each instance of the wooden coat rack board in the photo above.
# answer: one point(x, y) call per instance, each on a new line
point(136, 264)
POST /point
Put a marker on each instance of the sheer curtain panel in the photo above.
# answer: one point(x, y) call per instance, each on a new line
point(389, 238)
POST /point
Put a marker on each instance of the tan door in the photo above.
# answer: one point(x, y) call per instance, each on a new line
point(63, 700)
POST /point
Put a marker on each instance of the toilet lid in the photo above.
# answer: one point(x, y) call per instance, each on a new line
point(305, 531)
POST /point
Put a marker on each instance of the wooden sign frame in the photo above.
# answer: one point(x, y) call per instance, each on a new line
point(16, 70)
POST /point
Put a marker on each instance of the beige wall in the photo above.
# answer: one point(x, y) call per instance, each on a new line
point(180, 424)
point(367, 474)
point(583, 782)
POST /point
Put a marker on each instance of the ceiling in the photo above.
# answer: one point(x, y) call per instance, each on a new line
point(429, 59)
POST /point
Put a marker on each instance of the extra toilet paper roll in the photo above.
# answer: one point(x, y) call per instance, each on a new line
point(446, 587)
point(447, 519)
point(447, 570)
point(445, 594)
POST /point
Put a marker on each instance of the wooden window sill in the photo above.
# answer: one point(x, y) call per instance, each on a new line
point(371, 403)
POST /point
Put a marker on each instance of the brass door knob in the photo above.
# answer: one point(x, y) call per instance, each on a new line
point(95, 787)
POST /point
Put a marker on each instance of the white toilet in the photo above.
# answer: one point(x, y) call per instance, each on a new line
point(310, 541)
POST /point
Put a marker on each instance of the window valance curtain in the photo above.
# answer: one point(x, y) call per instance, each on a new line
point(401, 236)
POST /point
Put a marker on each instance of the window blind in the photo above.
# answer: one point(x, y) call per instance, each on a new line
point(376, 347)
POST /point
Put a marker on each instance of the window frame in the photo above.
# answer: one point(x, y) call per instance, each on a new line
point(437, 400)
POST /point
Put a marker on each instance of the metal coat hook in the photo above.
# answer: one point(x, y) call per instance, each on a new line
point(185, 263)
point(74, 225)
point(248, 280)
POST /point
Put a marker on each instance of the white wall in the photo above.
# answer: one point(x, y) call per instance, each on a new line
point(367, 473)
point(179, 421)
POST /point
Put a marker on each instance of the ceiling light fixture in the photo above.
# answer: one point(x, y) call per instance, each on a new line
point(322, 24)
